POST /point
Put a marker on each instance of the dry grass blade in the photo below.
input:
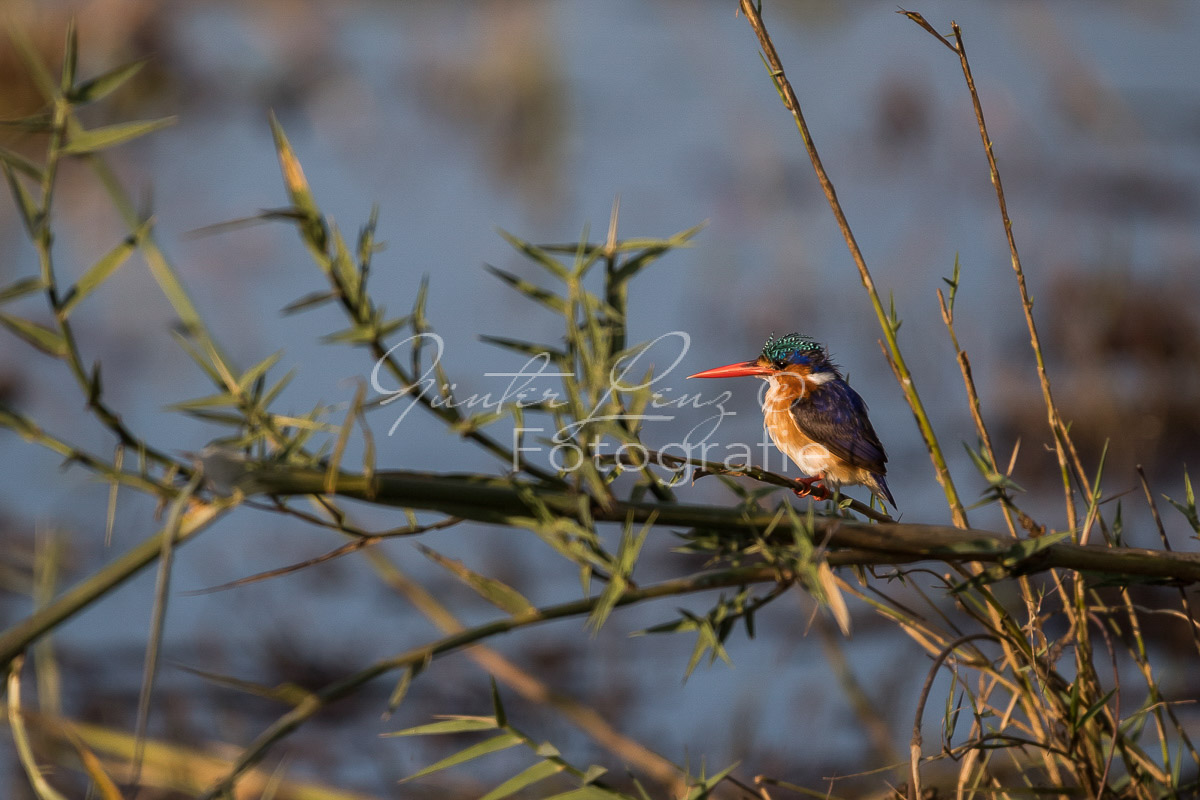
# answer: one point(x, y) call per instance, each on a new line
point(158, 620)
point(914, 785)
point(20, 735)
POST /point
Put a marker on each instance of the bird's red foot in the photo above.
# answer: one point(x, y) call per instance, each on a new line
point(811, 487)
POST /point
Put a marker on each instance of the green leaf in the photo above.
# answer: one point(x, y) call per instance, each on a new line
point(537, 254)
point(627, 554)
point(20, 288)
point(398, 694)
point(40, 122)
point(313, 225)
point(530, 290)
point(113, 135)
point(309, 301)
point(258, 370)
point(652, 249)
point(706, 785)
point(1027, 548)
point(493, 745)
point(594, 773)
point(104, 84)
point(95, 387)
point(528, 348)
point(589, 793)
point(24, 200)
point(497, 706)
point(209, 401)
point(230, 419)
point(495, 592)
point(99, 272)
point(538, 772)
point(20, 163)
point(70, 56)
point(44, 339)
point(1095, 709)
point(344, 268)
point(1188, 507)
point(454, 725)
point(269, 397)
point(201, 361)
point(952, 282)
point(359, 334)
point(288, 693)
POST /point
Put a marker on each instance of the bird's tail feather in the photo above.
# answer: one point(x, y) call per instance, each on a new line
point(878, 486)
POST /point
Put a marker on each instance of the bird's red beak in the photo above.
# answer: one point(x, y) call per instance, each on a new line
point(734, 370)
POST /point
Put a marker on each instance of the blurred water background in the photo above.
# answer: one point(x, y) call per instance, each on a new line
point(460, 117)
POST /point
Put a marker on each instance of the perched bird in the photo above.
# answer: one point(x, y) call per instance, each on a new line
point(815, 417)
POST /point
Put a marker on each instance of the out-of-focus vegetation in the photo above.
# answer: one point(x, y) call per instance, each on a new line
point(1047, 639)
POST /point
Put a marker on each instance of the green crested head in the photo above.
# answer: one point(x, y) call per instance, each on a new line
point(793, 348)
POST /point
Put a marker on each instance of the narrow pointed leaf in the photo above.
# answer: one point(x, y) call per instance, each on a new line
point(530, 290)
point(495, 592)
point(287, 693)
point(538, 772)
point(209, 401)
point(105, 787)
point(219, 417)
point(359, 334)
point(274, 391)
point(594, 773)
point(195, 355)
point(20, 163)
point(589, 793)
point(344, 267)
point(24, 200)
point(528, 348)
point(498, 707)
point(41, 122)
point(70, 56)
point(258, 370)
point(313, 226)
point(401, 690)
point(99, 272)
point(455, 725)
point(113, 135)
point(41, 337)
point(493, 745)
point(105, 84)
point(309, 301)
point(553, 265)
point(627, 553)
point(833, 597)
point(1095, 709)
point(95, 385)
point(20, 288)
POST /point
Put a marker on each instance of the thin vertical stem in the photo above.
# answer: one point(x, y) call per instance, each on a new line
point(896, 359)
point(1057, 429)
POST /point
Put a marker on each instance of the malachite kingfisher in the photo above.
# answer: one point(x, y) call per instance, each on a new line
point(814, 417)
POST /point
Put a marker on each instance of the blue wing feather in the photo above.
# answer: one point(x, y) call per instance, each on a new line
point(834, 415)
